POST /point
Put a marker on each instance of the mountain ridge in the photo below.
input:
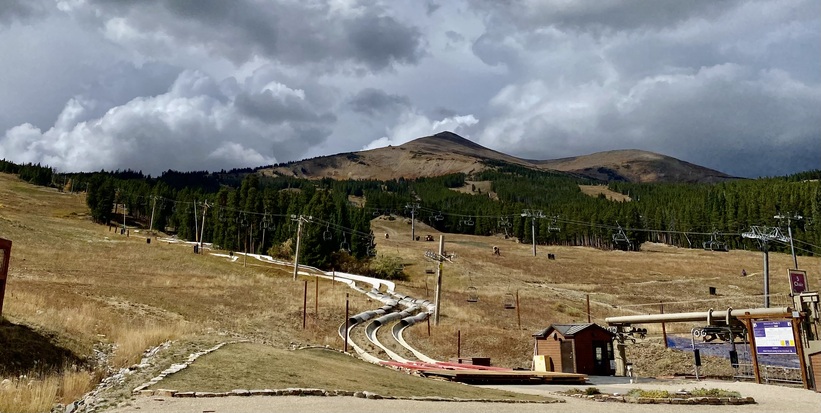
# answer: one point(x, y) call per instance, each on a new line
point(447, 153)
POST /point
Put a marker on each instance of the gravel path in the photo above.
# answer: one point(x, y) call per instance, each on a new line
point(770, 399)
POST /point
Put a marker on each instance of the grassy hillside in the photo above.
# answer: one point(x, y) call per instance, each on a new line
point(106, 297)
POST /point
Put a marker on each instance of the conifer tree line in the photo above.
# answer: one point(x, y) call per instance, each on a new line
point(251, 212)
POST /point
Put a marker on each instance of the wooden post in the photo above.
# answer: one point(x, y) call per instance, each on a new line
point(5, 257)
point(518, 313)
point(799, 351)
point(438, 293)
point(428, 326)
point(346, 322)
point(458, 344)
point(316, 295)
point(663, 327)
point(588, 308)
point(753, 352)
point(304, 303)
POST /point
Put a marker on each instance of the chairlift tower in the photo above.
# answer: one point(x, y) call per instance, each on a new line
point(790, 217)
point(439, 258)
point(764, 235)
point(533, 214)
point(413, 207)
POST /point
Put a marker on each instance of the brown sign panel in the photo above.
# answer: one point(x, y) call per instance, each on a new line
point(5, 255)
point(798, 281)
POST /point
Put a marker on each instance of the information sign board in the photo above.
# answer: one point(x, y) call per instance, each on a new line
point(774, 337)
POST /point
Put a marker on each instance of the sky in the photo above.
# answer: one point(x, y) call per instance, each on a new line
point(153, 85)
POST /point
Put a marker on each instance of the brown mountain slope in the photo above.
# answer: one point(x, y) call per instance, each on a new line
point(635, 166)
point(446, 153)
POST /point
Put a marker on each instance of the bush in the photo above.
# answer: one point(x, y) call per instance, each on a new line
point(702, 392)
point(591, 391)
point(387, 267)
point(650, 394)
point(281, 251)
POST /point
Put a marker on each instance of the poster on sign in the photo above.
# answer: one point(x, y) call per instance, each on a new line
point(774, 337)
point(798, 281)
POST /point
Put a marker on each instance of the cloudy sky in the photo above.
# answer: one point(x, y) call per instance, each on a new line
point(204, 85)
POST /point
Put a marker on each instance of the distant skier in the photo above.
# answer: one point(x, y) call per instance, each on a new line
point(743, 272)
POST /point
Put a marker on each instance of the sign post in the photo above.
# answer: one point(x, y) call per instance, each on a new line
point(5, 256)
point(798, 281)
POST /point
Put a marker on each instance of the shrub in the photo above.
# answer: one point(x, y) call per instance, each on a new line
point(703, 392)
point(650, 394)
point(388, 267)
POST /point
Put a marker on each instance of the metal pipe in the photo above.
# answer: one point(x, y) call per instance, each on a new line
point(694, 316)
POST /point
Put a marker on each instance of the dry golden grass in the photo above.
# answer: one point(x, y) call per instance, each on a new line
point(596, 190)
point(80, 284)
point(37, 393)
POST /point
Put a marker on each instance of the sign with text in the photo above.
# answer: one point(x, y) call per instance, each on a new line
point(798, 281)
point(774, 337)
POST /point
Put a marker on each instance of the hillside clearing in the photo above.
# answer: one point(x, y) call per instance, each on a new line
point(596, 190)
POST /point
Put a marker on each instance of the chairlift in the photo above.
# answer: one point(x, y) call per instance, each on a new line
point(376, 213)
point(469, 222)
point(327, 235)
point(473, 294)
point(620, 239)
point(714, 244)
point(266, 221)
point(439, 216)
point(553, 225)
point(343, 246)
point(510, 301)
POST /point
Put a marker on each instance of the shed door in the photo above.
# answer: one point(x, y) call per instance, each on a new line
point(601, 358)
point(567, 357)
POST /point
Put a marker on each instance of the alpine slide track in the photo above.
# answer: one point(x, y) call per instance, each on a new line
point(376, 335)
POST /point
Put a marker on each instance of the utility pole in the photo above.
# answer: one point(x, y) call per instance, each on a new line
point(533, 214)
point(196, 229)
point(439, 258)
point(438, 294)
point(300, 219)
point(151, 224)
point(413, 208)
point(790, 217)
point(764, 235)
point(202, 227)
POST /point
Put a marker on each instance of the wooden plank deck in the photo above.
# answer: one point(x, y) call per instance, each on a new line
point(507, 377)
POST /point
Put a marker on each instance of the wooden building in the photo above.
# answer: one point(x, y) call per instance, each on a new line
point(575, 348)
point(815, 363)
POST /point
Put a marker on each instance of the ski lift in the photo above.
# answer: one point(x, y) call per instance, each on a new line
point(343, 246)
point(553, 225)
point(266, 221)
point(376, 213)
point(469, 221)
point(472, 292)
point(327, 235)
point(510, 301)
point(714, 244)
point(620, 240)
point(439, 216)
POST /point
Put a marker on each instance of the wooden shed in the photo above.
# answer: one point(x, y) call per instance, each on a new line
point(576, 348)
point(815, 366)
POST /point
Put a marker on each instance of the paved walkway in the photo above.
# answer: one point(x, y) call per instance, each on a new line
point(770, 399)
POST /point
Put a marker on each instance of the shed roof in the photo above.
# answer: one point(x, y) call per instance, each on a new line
point(567, 330)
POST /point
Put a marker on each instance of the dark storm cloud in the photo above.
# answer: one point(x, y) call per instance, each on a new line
point(601, 15)
point(372, 101)
point(290, 32)
point(20, 10)
point(273, 109)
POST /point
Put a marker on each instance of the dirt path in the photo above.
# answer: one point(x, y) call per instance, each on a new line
point(769, 398)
